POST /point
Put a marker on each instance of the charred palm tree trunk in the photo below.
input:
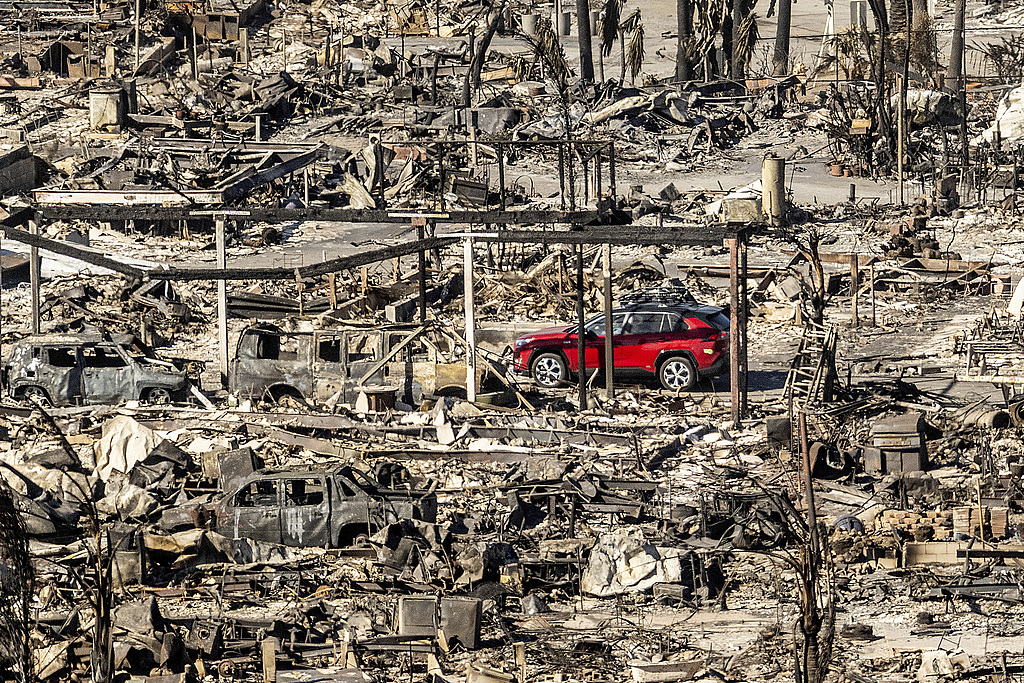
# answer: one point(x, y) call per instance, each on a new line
point(684, 32)
point(783, 23)
point(586, 45)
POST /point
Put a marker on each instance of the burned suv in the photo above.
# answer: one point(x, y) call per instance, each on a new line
point(677, 343)
point(65, 369)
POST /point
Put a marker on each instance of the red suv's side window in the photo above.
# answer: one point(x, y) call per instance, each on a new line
point(646, 323)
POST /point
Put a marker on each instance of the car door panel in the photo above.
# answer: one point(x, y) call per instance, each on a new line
point(305, 515)
point(256, 512)
point(639, 342)
point(106, 375)
point(60, 374)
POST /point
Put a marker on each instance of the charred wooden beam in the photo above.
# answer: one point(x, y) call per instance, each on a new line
point(624, 234)
point(192, 274)
point(114, 212)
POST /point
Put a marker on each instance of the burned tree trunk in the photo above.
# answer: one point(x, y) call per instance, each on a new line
point(784, 20)
point(956, 50)
point(480, 56)
point(684, 32)
point(586, 44)
point(739, 13)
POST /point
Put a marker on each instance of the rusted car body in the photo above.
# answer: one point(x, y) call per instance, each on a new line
point(271, 363)
point(332, 507)
point(66, 369)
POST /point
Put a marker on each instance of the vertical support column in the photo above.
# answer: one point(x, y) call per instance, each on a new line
point(581, 339)
point(734, 327)
point(611, 170)
point(138, 20)
point(243, 44)
point(773, 190)
point(268, 654)
point(467, 277)
point(609, 333)
point(561, 176)
point(222, 303)
point(421, 263)
point(33, 275)
point(901, 124)
point(743, 324)
point(874, 323)
point(854, 285)
point(500, 149)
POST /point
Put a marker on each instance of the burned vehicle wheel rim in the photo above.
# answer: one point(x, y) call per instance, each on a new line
point(36, 395)
point(677, 373)
point(549, 370)
point(158, 395)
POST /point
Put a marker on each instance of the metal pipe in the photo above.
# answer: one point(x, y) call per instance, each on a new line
point(609, 332)
point(222, 303)
point(581, 339)
point(467, 277)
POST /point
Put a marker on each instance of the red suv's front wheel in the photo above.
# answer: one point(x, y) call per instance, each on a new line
point(677, 373)
point(549, 370)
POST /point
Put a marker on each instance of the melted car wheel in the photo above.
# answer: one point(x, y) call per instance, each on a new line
point(158, 395)
point(549, 370)
point(35, 395)
point(677, 373)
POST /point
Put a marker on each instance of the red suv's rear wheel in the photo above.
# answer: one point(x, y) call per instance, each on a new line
point(549, 370)
point(677, 373)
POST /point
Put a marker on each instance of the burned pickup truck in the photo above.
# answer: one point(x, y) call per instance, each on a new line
point(334, 507)
point(273, 364)
point(65, 369)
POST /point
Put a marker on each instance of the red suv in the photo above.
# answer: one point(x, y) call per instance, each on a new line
point(678, 343)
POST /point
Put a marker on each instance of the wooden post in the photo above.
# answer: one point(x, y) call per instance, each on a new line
point(138, 20)
point(773, 190)
point(581, 337)
point(467, 278)
point(268, 652)
point(332, 289)
point(854, 284)
point(364, 277)
point(421, 276)
point(222, 302)
point(874, 323)
point(734, 325)
point(609, 332)
point(195, 54)
point(743, 325)
point(243, 44)
point(33, 275)
point(900, 126)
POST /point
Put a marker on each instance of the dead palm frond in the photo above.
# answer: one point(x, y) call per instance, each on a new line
point(610, 16)
point(748, 37)
point(635, 53)
point(630, 22)
point(545, 45)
